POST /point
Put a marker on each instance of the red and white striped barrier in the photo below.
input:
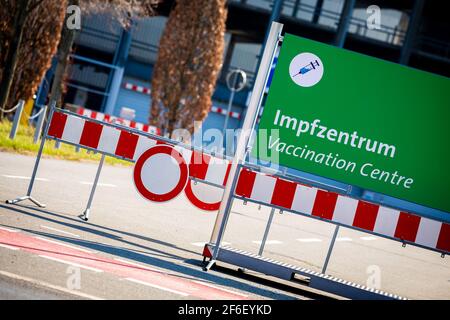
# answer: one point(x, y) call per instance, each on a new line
point(259, 187)
point(147, 91)
point(103, 138)
point(162, 172)
point(136, 88)
point(343, 210)
point(108, 118)
point(212, 170)
point(222, 111)
point(118, 142)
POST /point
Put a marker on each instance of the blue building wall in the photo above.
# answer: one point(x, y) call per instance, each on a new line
point(134, 100)
point(140, 74)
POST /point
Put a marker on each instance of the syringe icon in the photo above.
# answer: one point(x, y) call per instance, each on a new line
point(309, 67)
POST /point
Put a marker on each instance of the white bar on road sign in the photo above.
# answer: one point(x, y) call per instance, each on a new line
point(345, 210)
point(143, 145)
point(304, 199)
point(263, 188)
point(217, 170)
point(73, 129)
point(100, 116)
point(428, 232)
point(109, 139)
point(386, 221)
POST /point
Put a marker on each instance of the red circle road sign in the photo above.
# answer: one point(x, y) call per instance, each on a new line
point(204, 196)
point(160, 173)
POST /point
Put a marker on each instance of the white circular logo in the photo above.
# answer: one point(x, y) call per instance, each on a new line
point(306, 69)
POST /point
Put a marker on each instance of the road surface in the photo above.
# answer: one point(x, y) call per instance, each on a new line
point(134, 249)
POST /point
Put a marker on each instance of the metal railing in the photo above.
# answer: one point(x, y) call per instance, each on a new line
point(292, 9)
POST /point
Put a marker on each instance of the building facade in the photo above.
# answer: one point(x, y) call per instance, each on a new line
point(111, 68)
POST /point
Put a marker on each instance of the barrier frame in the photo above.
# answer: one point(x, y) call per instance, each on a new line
point(86, 214)
point(214, 251)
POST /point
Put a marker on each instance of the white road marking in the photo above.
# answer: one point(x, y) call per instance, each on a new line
point(137, 265)
point(309, 240)
point(64, 245)
point(219, 288)
point(344, 239)
point(60, 231)
point(369, 238)
point(99, 184)
point(48, 285)
point(202, 244)
point(198, 244)
point(8, 247)
point(157, 287)
point(268, 242)
point(9, 230)
point(71, 263)
point(23, 177)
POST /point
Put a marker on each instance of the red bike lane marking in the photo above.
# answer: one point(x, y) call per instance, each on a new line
point(40, 247)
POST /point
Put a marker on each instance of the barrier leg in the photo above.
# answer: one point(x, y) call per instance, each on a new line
point(85, 215)
point(330, 250)
point(36, 166)
point(243, 149)
point(227, 212)
point(221, 233)
point(266, 232)
point(16, 122)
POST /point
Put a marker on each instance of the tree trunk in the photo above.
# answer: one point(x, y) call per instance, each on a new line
point(13, 53)
point(65, 46)
point(189, 61)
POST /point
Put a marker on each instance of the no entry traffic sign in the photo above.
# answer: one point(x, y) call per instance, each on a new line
point(204, 196)
point(160, 174)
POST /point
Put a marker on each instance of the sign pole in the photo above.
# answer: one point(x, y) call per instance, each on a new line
point(85, 215)
point(330, 250)
point(269, 224)
point(234, 87)
point(242, 147)
point(333, 241)
point(266, 232)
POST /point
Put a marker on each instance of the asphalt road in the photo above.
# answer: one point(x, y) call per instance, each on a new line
point(134, 249)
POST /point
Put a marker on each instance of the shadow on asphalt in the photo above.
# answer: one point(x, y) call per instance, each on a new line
point(140, 256)
point(97, 232)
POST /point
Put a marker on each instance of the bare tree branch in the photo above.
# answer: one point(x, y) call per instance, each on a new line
point(41, 34)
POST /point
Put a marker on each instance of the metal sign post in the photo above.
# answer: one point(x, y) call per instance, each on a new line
point(85, 215)
point(330, 249)
point(269, 224)
point(242, 147)
point(266, 232)
point(234, 85)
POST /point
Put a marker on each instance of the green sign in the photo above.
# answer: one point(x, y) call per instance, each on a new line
point(359, 120)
